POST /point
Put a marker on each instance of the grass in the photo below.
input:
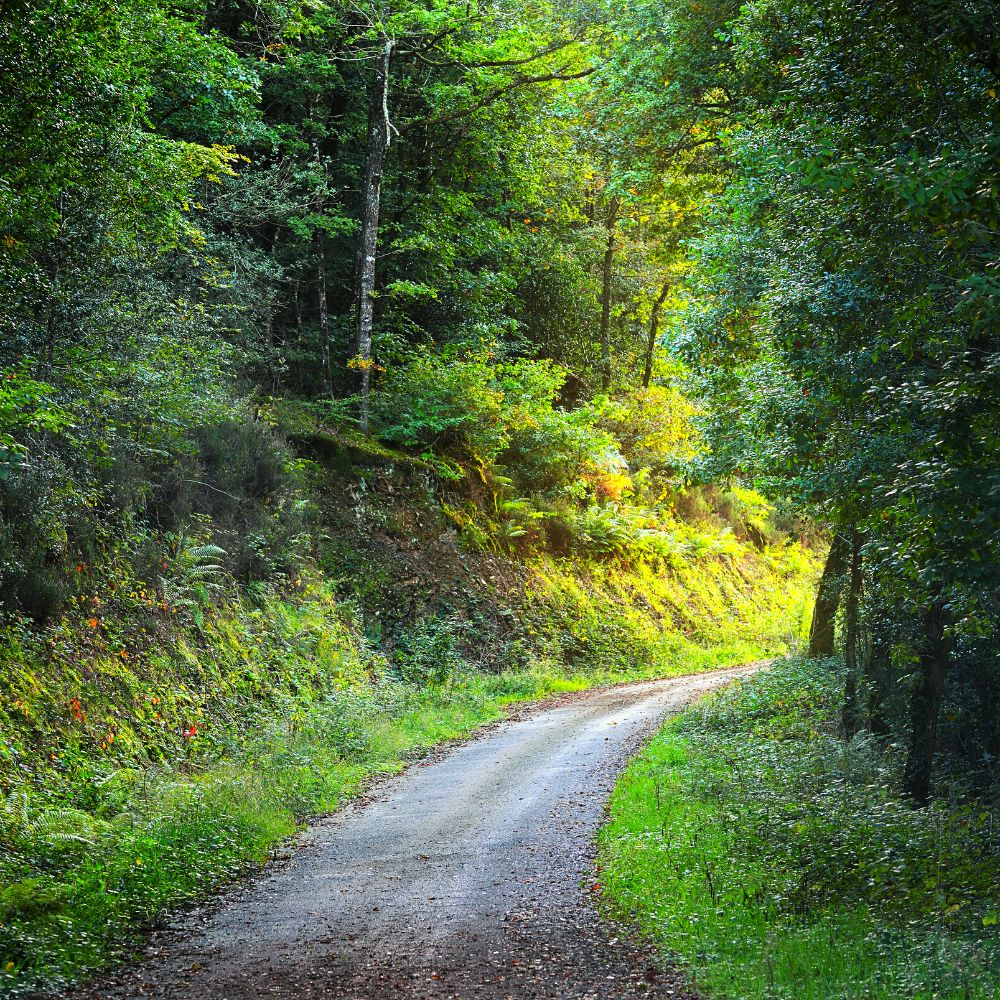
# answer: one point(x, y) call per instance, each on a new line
point(773, 860)
point(77, 883)
point(86, 868)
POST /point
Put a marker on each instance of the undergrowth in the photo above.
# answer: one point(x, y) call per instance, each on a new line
point(637, 619)
point(142, 766)
point(83, 869)
point(776, 861)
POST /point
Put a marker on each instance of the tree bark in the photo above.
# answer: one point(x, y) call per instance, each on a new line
point(608, 274)
point(831, 585)
point(851, 718)
point(925, 705)
point(654, 327)
point(270, 307)
point(378, 142)
point(297, 300)
point(876, 679)
point(324, 312)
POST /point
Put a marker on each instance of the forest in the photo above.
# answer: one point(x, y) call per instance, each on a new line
point(368, 366)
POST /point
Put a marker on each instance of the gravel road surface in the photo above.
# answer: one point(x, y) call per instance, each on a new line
point(470, 876)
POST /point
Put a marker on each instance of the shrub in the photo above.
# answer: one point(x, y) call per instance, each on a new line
point(655, 428)
point(450, 404)
point(429, 652)
point(563, 453)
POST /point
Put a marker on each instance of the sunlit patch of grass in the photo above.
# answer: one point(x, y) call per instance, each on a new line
point(648, 618)
point(774, 861)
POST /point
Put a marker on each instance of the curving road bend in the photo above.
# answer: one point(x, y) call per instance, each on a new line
point(470, 876)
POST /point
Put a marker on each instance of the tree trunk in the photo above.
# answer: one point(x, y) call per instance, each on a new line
point(925, 705)
point(654, 326)
point(851, 718)
point(876, 679)
point(297, 299)
point(324, 314)
point(378, 142)
point(270, 307)
point(608, 274)
point(831, 585)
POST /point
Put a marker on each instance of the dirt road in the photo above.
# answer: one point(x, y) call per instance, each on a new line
point(470, 876)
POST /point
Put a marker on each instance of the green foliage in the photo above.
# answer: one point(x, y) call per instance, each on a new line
point(454, 405)
point(68, 522)
point(25, 405)
point(652, 616)
point(835, 301)
point(776, 860)
point(430, 652)
point(196, 578)
point(564, 454)
point(465, 404)
point(27, 899)
point(169, 777)
point(565, 479)
point(118, 352)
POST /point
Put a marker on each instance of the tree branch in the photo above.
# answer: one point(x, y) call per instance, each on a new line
point(495, 95)
point(498, 63)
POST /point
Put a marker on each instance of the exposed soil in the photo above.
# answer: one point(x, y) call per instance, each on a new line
point(470, 876)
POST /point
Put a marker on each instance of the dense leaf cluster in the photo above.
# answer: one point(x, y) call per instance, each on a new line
point(184, 194)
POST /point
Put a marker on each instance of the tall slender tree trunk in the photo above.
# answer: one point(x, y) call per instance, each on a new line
point(831, 585)
point(851, 718)
point(607, 276)
point(297, 300)
point(925, 704)
point(654, 328)
point(270, 308)
point(324, 313)
point(876, 680)
point(378, 142)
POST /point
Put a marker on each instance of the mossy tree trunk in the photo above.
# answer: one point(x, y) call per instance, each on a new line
point(378, 143)
point(607, 278)
point(654, 327)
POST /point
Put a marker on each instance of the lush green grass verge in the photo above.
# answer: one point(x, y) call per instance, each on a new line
point(776, 861)
point(77, 883)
